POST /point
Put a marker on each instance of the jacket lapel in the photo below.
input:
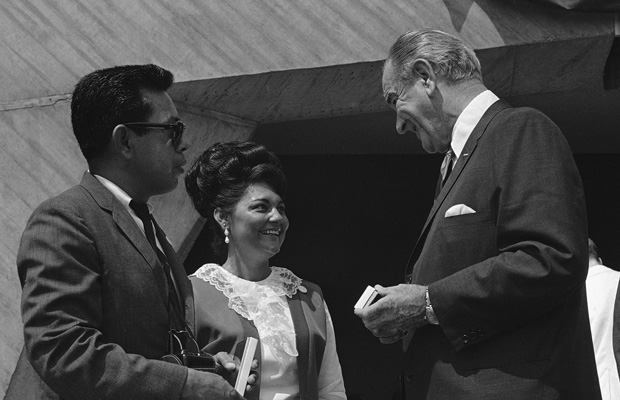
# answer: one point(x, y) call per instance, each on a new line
point(183, 284)
point(466, 154)
point(106, 200)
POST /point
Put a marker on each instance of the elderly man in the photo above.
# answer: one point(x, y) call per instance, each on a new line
point(494, 304)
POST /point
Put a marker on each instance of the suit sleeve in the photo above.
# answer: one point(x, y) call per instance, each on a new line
point(60, 272)
point(536, 255)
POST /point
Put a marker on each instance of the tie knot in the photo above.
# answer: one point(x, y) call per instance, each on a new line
point(141, 210)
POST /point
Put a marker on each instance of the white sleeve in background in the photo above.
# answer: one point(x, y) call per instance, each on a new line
point(331, 384)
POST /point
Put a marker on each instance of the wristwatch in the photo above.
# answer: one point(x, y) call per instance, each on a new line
point(430, 313)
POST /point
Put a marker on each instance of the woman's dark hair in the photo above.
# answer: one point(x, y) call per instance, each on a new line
point(220, 176)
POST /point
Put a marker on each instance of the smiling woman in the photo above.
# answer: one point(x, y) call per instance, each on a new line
point(257, 227)
point(239, 189)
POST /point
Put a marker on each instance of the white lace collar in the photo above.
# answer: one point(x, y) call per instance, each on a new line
point(261, 302)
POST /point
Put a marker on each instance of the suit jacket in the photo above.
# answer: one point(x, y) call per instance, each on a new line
point(506, 282)
point(93, 303)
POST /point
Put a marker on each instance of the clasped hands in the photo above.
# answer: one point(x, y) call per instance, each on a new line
point(399, 309)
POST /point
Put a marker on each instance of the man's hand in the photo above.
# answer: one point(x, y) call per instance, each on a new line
point(205, 385)
point(400, 309)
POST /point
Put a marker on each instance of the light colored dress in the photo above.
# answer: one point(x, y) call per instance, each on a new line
point(265, 305)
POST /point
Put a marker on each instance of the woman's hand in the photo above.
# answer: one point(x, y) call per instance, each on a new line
point(230, 364)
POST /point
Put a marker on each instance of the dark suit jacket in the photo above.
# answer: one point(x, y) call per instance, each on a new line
point(506, 282)
point(95, 318)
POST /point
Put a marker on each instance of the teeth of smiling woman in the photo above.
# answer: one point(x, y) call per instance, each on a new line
point(271, 232)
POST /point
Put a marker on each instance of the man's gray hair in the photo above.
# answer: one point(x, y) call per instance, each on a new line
point(448, 55)
point(592, 249)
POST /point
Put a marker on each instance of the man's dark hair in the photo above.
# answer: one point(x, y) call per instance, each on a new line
point(108, 97)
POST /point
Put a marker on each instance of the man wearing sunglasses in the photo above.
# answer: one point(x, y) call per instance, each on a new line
point(100, 294)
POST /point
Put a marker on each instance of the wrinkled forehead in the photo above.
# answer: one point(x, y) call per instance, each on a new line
point(389, 80)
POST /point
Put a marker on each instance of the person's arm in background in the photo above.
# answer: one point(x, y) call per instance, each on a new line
point(616, 329)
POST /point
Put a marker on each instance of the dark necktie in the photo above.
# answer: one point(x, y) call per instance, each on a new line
point(446, 166)
point(142, 211)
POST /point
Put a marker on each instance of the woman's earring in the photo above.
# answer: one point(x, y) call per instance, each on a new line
point(226, 239)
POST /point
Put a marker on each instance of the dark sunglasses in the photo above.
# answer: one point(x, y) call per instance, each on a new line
point(177, 129)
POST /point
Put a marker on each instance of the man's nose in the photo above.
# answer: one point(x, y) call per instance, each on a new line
point(401, 125)
point(184, 145)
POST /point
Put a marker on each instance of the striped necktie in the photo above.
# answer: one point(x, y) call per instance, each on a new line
point(446, 166)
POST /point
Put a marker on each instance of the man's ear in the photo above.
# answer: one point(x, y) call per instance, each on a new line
point(121, 141)
point(424, 70)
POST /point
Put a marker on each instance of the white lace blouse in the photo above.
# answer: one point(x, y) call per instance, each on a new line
point(264, 302)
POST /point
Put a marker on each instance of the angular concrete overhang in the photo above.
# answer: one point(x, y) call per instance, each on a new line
point(525, 49)
point(269, 61)
point(525, 69)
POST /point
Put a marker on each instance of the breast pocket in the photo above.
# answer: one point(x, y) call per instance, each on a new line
point(468, 238)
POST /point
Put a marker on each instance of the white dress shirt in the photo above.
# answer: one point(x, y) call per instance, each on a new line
point(469, 118)
point(601, 288)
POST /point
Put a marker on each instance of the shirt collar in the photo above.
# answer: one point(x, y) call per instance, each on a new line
point(469, 118)
point(119, 193)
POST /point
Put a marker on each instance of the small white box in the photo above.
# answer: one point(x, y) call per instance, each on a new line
point(367, 297)
point(246, 363)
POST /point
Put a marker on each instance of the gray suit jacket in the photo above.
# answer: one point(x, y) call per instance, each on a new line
point(93, 303)
point(506, 282)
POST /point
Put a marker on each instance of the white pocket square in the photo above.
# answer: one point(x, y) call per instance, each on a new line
point(459, 209)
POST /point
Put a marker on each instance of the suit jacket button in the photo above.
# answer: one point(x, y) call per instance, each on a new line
point(480, 333)
point(473, 335)
point(465, 339)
